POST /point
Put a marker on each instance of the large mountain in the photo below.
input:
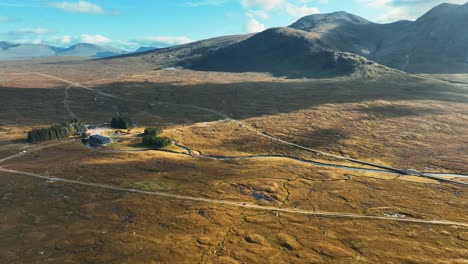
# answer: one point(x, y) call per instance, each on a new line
point(336, 44)
point(10, 51)
point(287, 52)
point(436, 42)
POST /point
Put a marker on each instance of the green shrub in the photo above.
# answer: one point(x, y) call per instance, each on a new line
point(153, 131)
point(121, 122)
point(156, 142)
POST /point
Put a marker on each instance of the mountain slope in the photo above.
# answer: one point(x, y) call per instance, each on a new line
point(342, 31)
point(436, 42)
point(182, 55)
point(145, 49)
point(286, 52)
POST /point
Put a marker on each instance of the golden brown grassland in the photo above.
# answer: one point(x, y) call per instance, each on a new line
point(405, 122)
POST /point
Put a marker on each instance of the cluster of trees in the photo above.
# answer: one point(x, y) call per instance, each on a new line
point(152, 138)
point(153, 131)
point(122, 122)
point(55, 132)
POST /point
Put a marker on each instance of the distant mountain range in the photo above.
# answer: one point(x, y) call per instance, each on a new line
point(335, 44)
point(10, 51)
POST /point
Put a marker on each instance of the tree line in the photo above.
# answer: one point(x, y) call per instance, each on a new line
point(122, 122)
point(55, 132)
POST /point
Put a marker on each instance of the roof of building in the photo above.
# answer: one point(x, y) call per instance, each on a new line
point(98, 140)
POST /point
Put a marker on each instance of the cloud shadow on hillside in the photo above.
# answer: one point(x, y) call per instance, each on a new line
point(238, 100)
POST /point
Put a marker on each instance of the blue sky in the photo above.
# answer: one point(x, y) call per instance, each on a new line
point(129, 24)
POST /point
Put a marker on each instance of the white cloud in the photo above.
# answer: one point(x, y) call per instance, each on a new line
point(78, 7)
point(376, 3)
point(254, 26)
point(34, 35)
point(202, 3)
point(301, 11)
point(45, 36)
point(396, 14)
point(258, 11)
point(161, 41)
point(29, 32)
point(262, 4)
point(152, 41)
point(58, 40)
point(94, 39)
point(395, 10)
point(66, 39)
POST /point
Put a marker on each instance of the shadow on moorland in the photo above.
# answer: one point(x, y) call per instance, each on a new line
point(392, 111)
point(238, 100)
point(319, 138)
point(253, 99)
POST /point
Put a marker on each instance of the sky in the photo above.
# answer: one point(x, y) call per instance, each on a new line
point(129, 24)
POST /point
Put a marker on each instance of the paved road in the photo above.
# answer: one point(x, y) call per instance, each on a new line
point(240, 204)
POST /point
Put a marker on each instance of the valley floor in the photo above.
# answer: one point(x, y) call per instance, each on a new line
point(65, 203)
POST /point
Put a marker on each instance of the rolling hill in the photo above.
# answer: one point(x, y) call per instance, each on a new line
point(9, 51)
point(90, 50)
point(20, 51)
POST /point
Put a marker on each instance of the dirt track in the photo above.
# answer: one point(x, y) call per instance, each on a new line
point(240, 204)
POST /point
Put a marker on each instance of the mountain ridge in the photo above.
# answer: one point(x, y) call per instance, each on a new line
point(287, 52)
point(437, 36)
point(434, 43)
